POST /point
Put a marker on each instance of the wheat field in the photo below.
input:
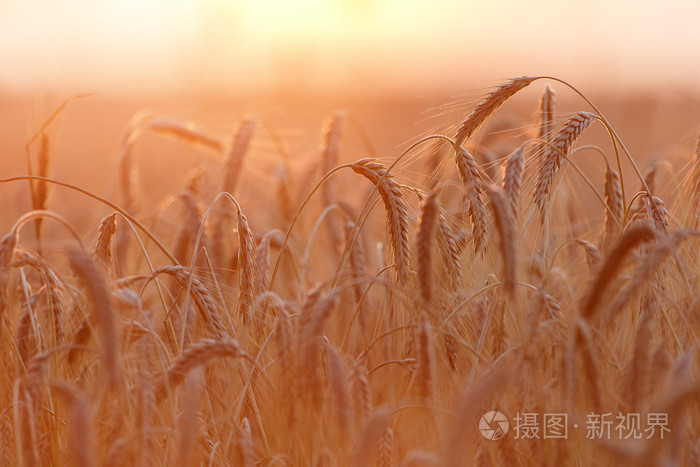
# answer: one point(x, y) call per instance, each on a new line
point(338, 311)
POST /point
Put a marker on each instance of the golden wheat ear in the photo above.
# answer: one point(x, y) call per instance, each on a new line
point(554, 154)
point(396, 213)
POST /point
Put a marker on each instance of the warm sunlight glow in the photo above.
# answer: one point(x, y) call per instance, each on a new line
point(389, 233)
point(169, 44)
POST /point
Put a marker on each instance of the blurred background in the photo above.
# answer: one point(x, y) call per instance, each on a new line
point(357, 46)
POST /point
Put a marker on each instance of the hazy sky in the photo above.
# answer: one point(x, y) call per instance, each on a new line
point(241, 44)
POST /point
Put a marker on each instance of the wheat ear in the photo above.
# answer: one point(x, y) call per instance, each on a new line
point(488, 106)
point(102, 251)
point(81, 426)
point(635, 235)
point(512, 180)
point(193, 357)
point(635, 378)
point(338, 384)
point(593, 256)
point(386, 455)
point(661, 250)
point(8, 244)
point(545, 113)
point(658, 214)
point(236, 154)
point(247, 266)
point(330, 149)
point(472, 178)
point(362, 393)
point(696, 185)
point(555, 154)
point(203, 300)
point(584, 343)
point(370, 435)
point(424, 375)
point(42, 188)
point(188, 132)
point(52, 289)
point(424, 240)
point(396, 213)
point(506, 231)
point(613, 201)
point(102, 311)
point(187, 233)
point(450, 251)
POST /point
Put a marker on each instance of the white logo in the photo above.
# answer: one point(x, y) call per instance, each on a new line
point(493, 425)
